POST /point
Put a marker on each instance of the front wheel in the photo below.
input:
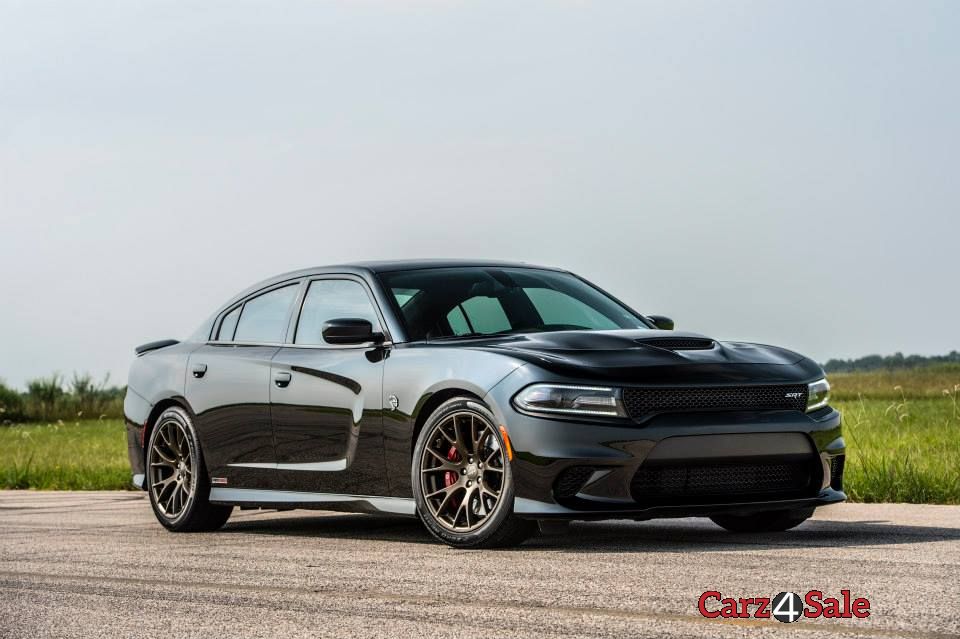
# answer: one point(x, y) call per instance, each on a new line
point(176, 478)
point(462, 481)
point(771, 521)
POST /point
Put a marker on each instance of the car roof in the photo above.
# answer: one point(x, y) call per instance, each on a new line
point(385, 266)
point(372, 267)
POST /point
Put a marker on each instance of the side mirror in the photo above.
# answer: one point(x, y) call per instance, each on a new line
point(661, 322)
point(350, 330)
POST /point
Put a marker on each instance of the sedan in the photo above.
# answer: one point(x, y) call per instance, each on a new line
point(491, 400)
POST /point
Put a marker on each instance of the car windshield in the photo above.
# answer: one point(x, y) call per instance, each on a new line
point(439, 303)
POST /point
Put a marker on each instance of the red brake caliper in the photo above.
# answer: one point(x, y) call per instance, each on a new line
point(450, 477)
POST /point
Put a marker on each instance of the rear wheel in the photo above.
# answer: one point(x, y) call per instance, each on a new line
point(772, 521)
point(462, 481)
point(176, 477)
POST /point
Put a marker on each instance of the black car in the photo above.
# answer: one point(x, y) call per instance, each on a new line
point(484, 397)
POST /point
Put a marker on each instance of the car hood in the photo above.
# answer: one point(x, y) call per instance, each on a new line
point(652, 356)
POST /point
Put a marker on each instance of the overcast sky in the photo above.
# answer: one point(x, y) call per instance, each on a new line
point(768, 171)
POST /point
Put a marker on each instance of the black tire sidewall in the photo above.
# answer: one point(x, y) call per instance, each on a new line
point(769, 521)
point(202, 489)
point(504, 508)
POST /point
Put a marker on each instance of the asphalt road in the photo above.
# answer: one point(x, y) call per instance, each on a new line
point(98, 564)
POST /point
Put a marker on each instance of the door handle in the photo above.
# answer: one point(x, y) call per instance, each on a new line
point(199, 370)
point(282, 379)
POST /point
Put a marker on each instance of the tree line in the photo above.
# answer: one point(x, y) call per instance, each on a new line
point(895, 361)
point(55, 398)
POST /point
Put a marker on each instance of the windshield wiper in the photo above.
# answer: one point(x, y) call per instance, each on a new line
point(442, 338)
point(504, 333)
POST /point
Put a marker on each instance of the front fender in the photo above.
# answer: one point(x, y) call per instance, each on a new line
point(414, 374)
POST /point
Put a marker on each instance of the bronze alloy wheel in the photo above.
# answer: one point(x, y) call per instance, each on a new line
point(177, 478)
point(462, 471)
point(173, 481)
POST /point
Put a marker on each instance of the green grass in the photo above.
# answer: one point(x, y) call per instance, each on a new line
point(902, 430)
point(930, 382)
point(902, 451)
point(83, 455)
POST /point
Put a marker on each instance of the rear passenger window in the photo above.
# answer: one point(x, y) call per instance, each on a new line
point(332, 299)
point(264, 318)
point(228, 325)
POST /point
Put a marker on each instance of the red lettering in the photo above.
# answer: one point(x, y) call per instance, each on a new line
point(860, 608)
point(702, 604)
point(815, 605)
point(812, 599)
point(763, 612)
point(831, 608)
point(729, 610)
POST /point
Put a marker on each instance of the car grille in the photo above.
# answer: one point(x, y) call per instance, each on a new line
point(703, 483)
point(641, 403)
point(572, 480)
point(678, 343)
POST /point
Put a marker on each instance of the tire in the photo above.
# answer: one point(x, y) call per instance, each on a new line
point(177, 481)
point(772, 521)
point(461, 502)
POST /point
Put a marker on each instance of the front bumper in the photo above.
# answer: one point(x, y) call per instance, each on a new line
point(530, 509)
point(604, 460)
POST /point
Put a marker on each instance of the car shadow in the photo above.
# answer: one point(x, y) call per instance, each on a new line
point(656, 536)
point(701, 535)
point(331, 526)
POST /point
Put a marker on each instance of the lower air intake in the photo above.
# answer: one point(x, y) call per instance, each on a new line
point(715, 483)
point(571, 480)
point(836, 472)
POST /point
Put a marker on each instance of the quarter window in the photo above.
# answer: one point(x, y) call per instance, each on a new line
point(264, 318)
point(228, 325)
point(332, 299)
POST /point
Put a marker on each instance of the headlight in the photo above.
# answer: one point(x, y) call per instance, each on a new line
point(589, 401)
point(818, 394)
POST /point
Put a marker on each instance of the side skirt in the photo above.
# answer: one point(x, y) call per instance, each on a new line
point(320, 501)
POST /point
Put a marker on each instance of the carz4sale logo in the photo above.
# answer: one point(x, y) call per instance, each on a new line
point(786, 607)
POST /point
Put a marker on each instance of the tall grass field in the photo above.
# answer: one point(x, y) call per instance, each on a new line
point(79, 455)
point(902, 429)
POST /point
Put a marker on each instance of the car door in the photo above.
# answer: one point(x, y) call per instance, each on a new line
point(228, 387)
point(326, 399)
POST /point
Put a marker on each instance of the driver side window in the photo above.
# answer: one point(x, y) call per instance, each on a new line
point(555, 307)
point(332, 299)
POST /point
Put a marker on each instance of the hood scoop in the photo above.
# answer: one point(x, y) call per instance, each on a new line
point(679, 343)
